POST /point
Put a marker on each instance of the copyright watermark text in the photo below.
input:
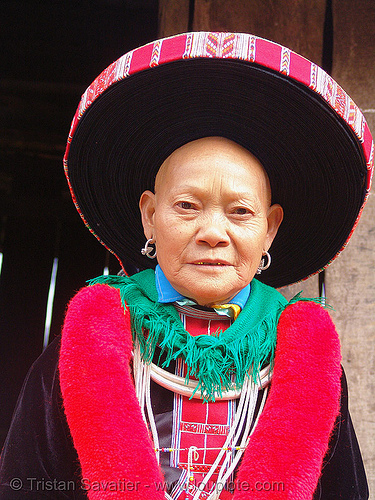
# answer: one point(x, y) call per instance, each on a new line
point(34, 484)
point(42, 484)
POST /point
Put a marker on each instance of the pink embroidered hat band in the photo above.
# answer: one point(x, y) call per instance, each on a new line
point(311, 138)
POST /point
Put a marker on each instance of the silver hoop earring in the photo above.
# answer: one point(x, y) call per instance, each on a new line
point(262, 266)
point(147, 249)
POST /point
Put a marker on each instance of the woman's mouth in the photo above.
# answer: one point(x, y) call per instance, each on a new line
point(210, 263)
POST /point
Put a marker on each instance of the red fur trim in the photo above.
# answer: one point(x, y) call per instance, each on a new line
point(102, 410)
point(285, 453)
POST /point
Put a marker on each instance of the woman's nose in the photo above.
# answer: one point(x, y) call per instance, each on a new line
point(213, 230)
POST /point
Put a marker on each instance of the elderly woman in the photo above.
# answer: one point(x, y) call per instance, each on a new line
point(194, 379)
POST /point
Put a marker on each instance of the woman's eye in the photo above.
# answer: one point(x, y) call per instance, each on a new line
point(241, 211)
point(186, 205)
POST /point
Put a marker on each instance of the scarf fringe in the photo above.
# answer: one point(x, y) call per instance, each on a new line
point(213, 360)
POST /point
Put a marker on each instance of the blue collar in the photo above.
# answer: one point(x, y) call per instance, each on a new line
point(166, 292)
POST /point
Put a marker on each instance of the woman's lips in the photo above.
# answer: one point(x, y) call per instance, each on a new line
point(211, 263)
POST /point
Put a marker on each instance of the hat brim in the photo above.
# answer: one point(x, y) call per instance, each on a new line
point(315, 162)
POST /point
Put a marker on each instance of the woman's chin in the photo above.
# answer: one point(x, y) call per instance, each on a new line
point(207, 296)
point(208, 287)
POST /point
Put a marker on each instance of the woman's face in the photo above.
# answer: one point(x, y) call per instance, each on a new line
point(210, 218)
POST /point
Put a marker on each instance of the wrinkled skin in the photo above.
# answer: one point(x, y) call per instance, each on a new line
point(210, 218)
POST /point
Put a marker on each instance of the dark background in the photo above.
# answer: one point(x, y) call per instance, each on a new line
point(50, 52)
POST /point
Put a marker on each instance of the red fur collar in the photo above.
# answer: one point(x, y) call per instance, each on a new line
point(113, 444)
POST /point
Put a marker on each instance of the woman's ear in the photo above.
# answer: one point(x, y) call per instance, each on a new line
point(274, 218)
point(147, 208)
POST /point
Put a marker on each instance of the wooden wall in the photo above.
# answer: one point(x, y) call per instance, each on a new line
point(351, 279)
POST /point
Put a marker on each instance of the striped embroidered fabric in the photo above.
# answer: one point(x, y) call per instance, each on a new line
point(205, 426)
point(285, 61)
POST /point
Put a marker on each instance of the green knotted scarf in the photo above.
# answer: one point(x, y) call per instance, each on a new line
point(244, 347)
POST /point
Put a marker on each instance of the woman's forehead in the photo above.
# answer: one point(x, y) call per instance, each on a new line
point(209, 156)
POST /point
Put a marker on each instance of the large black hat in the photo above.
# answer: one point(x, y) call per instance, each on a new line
point(306, 131)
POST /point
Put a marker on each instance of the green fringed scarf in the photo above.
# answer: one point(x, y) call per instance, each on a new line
point(246, 345)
